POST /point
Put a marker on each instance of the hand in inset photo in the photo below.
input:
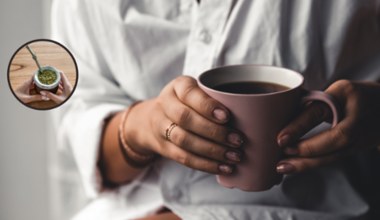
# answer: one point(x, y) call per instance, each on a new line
point(63, 93)
point(23, 92)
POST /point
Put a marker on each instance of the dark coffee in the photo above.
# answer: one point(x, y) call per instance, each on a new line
point(250, 87)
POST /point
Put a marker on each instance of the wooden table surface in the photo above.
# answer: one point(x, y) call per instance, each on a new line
point(23, 66)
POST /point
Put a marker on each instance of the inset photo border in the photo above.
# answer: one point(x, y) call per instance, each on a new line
point(42, 74)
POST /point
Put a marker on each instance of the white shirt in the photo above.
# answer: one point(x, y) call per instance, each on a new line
point(129, 50)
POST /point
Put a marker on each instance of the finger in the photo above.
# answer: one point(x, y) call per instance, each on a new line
point(30, 80)
point(44, 96)
point(189, 93)
point(341, 136)
point(25, 86)
point(193, 161)
point(32, 86)
point(66, 83)
point(314, 114)
point(32, 98)
point(340, 89)
point(202, 147)
point(326, 142)
point(51, 96)
point(300, 164)
point(191, 121)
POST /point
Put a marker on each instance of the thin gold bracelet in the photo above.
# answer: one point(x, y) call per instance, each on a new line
point(133, 158)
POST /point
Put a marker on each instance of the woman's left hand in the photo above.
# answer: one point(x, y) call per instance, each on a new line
point(359, 128)
point(23, 92)
point(64, 86)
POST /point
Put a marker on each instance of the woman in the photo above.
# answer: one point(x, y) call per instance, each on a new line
point(130, 51)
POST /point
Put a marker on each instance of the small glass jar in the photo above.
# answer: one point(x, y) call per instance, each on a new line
point(53, 87)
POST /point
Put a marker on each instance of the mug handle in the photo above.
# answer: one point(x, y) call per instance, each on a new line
point(326, 98)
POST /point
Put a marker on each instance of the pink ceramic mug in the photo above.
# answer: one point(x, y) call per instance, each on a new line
point(260, 117)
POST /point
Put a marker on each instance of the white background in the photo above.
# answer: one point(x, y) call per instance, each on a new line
point(28, 174)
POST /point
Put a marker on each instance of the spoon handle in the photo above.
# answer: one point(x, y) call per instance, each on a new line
point(34, 57)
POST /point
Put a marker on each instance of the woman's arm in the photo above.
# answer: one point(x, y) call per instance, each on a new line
point(200, 139)
point(358, 129)
point(115, 170)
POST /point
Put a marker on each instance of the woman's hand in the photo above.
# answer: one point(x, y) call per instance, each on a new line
point(24, 92)
point(65, 89)
point(359, 128)
point(201, 140)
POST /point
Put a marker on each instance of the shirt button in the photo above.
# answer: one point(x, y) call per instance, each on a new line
point(204, 36)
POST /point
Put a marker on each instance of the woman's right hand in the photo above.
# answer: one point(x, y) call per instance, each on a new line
point(65, 87)
point(201, 140)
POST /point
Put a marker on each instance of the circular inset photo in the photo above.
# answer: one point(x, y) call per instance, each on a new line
point(42, 74)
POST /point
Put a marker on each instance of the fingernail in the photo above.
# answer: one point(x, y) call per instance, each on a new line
point(220, 114)
point(43, 93)
point(235, 139)
point(291, 151)
point(225, 169)
point(285, 168)
point(45, 98)
point(233, 156)
point(284, 140)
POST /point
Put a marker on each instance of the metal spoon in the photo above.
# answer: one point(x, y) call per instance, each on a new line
point(34, 57)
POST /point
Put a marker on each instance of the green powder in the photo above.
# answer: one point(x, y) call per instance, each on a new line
point(47, 77)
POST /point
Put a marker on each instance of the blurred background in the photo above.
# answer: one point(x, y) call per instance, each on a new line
point(37, 180)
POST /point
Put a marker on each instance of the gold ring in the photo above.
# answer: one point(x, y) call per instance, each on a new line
point(169, 130)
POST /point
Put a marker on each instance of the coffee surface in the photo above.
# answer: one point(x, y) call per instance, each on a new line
point(250, 87)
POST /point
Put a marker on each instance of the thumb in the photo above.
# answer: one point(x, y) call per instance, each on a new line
point(67, 87)
point(314, 114)
point(55, 98)
point(32, 98)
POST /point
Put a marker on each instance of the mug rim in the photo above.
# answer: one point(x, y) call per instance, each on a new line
point(202, 75)
point(45, 86)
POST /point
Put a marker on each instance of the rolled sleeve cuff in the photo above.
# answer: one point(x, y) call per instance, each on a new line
point(86, 144)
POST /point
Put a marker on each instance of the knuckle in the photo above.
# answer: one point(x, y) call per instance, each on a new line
point(183, 115)
point(213, 132)
point(162, 149)
point(291, 128)
point(207, 104)
point(212, 169)
point(185, 87)
point(216, 152)
point(168, 89)
point(307, 165)
point(342, 137)
point(182, 159)
point(345, 85)
point(303, 165)
point(179, 139)
point(216, 133)
point(342, 83)
point(160, 101)
point(184, 80)
point(207, 166)
point(185, 95)
point(308, 150)
point(186, 160)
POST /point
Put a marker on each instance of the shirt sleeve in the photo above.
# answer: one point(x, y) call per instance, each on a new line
point(80, 120)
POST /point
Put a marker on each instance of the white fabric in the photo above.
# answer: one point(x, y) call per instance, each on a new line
point(129, 50)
